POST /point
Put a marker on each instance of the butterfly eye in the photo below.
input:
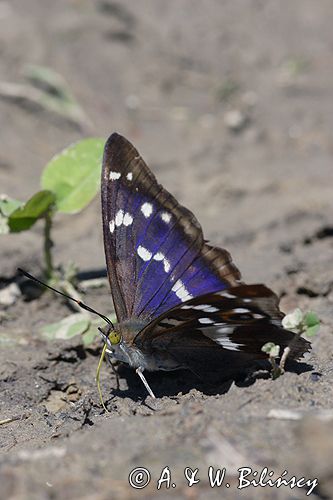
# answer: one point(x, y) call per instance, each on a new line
point(114, 337)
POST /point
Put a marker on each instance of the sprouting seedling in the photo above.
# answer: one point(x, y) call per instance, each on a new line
point(300, 323)
point(69, 182)
point(91, 310)
point(273, 352)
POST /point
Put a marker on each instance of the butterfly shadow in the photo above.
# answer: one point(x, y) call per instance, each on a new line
point(175, 383)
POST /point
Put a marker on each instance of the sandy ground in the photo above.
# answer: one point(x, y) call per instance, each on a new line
point(166, 75)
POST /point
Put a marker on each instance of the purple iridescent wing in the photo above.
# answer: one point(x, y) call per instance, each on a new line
point(216, 335)
point(155, 252)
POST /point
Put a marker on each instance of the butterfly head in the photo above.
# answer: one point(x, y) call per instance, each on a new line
point(114, 337)
point(110, 335)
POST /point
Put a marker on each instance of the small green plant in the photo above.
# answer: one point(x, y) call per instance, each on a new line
point(273, 351)
point(69, 182)
point(300, 323)
point(46, 90)
point(75, 324)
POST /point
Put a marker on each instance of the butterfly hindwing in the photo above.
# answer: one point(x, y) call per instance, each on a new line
point(155, 252)
point(221, 331)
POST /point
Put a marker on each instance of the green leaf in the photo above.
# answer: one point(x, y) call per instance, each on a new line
point(74, 175)
point(75, 324)
point(293, 321)
point(92, 333)
point(8, 205)
point(50, 91)
point(89, 336)
point(311, 323)
point(272, 349)
point(267, 347)
point(4, 229)
point(275, 351)
point(49, 81)
point(311, 331)
point(311, 319)
point(25, 216)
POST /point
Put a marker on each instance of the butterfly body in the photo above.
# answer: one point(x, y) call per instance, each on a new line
point(128, 351)
point(179, 301)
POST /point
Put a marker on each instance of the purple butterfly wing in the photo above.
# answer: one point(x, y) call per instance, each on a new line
point(155, 252)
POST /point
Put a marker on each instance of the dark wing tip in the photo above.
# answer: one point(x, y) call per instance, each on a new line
point(118, 155)
point(115, 145)
point(115, 137)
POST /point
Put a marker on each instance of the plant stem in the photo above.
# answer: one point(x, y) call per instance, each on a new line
point(287, 349)
point(276, 370)
point(48, 244)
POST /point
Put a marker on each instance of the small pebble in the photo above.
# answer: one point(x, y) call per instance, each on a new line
point(235, 120)
point(9, 295)
point(315, 376)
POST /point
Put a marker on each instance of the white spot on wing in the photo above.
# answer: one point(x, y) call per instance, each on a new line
point(128, 219)
point(111, 226)
point(144, 253)
point(228, 344)
point(166, 217)
point(159, 256)
point(181, 292)
point(200, 307)
point(119, 218)
point(240, 310)
point(177, 285)
point(206, 307)
point(206, 321)
point(226, 330)
point(167, 265)
point(114, 176)
point(223, 337)
point(211, 309)
point(228, 295)
point(147, 209)
point(129, 176)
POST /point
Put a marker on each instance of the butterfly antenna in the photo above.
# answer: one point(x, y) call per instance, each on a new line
point(79, 302)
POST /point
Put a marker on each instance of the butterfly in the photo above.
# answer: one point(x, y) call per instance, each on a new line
point(180, 302)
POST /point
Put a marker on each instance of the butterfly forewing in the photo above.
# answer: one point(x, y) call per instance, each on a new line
point(155, 252)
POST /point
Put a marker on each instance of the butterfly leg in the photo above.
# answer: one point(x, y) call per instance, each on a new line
point(144, 381)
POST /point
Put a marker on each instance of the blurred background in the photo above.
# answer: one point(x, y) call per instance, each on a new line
point(231, 105)
point(229, 102)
